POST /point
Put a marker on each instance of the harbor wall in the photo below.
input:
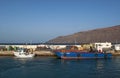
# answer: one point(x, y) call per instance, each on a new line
point(5, 50)
point(37, 53)
point(43, 53)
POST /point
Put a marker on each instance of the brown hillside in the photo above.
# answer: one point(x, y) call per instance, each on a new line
point(110, 34)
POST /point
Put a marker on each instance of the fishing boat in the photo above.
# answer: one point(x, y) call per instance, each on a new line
point(23, 53)
point(77, 54)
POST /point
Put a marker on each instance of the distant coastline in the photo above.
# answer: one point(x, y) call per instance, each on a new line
point(47, 43)
point(84, 39)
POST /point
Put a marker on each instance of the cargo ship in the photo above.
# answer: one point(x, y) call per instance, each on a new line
point(81, 55)
point(76, 54)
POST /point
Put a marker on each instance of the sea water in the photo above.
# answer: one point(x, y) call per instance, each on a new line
point(51, 67)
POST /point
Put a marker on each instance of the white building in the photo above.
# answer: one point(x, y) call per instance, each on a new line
point(100, 46)
point(60, 46)
point(117, 47)
point(57, 46)
point(22, 46)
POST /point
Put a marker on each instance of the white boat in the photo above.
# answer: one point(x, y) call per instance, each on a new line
point(23, 53)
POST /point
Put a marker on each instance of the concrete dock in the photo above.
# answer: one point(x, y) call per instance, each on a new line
point(6, 53)
point(37, 53)
point(42, 53)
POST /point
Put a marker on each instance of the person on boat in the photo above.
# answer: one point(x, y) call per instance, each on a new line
point(91, 49)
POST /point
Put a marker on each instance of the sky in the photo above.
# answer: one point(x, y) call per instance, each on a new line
point(37, 21)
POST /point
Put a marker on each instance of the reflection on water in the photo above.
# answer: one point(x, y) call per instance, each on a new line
point(50, 67)
point(100, 66)
point(23, 60)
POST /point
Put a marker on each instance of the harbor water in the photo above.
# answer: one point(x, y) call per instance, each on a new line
point(51, 67)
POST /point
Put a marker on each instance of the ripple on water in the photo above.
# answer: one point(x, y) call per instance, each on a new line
point(50, 67)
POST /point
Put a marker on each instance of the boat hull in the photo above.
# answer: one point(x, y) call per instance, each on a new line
point(18, 55)
point(82, 55)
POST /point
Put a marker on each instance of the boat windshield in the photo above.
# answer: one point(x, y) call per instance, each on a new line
point(22, 50)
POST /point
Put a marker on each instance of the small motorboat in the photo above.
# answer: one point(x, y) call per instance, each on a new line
point(24, 53)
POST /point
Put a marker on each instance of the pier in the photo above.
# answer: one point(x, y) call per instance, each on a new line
point(47, 49)
point(43, 53)
point(37, 53)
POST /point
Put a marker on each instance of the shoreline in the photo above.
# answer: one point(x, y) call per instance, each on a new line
point(116, 54)
point(42, 53)
point(37, 53)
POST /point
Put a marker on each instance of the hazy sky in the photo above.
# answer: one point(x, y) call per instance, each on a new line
point(42, 20)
